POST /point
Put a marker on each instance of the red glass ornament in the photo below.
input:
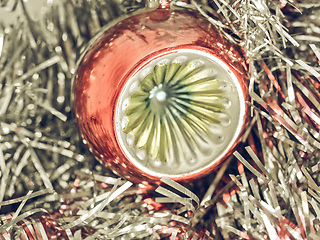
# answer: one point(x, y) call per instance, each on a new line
point(161, 94)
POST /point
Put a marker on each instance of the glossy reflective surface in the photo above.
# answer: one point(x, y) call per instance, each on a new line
point(118, 55)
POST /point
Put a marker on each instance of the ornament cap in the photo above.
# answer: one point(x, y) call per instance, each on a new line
point(160, 4)
point(164, 4)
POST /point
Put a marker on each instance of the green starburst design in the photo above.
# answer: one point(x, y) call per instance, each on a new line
point(173, 109)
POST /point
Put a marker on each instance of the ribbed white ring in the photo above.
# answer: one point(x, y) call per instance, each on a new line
point(221, 136)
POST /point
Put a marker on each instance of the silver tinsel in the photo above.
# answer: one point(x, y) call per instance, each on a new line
point(52, 188)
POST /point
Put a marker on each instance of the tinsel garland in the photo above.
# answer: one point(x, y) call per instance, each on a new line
point(52, 188)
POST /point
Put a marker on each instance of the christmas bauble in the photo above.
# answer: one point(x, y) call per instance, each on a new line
point(161, 94)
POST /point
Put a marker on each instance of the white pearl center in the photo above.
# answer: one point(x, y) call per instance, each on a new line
point(161, 96)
